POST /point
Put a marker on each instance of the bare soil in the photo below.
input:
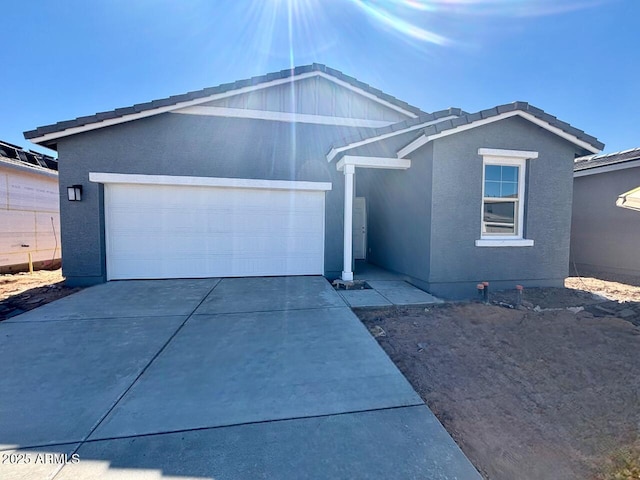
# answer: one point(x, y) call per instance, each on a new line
point(534, 393)
point(20, 292)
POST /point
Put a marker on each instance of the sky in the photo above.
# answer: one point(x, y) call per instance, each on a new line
point(578, 60)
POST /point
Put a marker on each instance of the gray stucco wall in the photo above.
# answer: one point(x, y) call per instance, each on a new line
point(189, 145)
point(457, 265)
point(423, 222)
point(605, 237)
point(398, 208)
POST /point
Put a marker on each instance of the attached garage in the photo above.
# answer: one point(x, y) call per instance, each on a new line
point(188, 227)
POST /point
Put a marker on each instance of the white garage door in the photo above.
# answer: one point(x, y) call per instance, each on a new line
point(186, 231)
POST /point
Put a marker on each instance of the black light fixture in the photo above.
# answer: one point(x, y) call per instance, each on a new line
point(74, 192)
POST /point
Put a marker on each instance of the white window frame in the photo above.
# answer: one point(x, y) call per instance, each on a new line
point(510, 158)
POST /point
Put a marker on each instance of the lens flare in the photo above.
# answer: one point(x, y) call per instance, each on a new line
point(419, 19)
point(397, 23)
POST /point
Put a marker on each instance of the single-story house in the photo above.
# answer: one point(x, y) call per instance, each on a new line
point(29, 210)
point(300, 172)
point(604, 237)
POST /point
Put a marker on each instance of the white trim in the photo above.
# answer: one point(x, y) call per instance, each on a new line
point(630, 199)
point(607, 168)
point(199, 101)
point(498, 152)
point(349, 192)
point(373, 162)
point(518, 242)
point(282, 116)
point(501, 157)
point(424, 139)
point(335, 151)
point(100, 177)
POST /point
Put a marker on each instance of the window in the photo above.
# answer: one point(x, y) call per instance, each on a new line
point(501, 200)
point(503, 197)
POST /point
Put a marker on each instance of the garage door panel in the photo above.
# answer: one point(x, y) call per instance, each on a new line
point(215, 220)
point(178, 246)
point(158, 231)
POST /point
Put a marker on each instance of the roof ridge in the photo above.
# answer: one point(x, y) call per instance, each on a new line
point(600, 160)
point(527, 108)
point(222, 88)
point(596, 156)
point(465, 118)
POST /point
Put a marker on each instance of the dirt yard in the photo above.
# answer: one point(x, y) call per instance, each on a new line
point(534, 393)
point(20, 292)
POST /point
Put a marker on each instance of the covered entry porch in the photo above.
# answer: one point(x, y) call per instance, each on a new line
point(348, 165)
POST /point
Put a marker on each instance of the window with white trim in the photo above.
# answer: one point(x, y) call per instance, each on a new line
point(503, 197)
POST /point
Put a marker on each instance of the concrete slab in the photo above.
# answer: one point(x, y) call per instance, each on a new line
point(60, 378)
point(254, 367)
point(364, 298)
point(402, 293)
point(127, 298)
point(35, 463)
point(407, 443)
point(234, 295)
point(367, 271)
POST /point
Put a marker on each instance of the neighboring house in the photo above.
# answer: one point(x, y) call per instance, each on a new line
point(604, 237)
point(258, 177)
point(29, 210)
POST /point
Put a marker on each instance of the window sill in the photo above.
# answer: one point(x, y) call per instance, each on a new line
point(516, 242)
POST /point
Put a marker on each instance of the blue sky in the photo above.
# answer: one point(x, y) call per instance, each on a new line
point(578, 60)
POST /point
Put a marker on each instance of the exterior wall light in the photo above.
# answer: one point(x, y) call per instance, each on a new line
point(74, 192)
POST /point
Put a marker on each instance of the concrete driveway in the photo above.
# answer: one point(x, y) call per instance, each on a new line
point(216, 379)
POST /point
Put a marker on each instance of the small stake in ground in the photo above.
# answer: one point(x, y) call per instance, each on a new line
point(486, 292)
point(483, 291)
point(519, 289)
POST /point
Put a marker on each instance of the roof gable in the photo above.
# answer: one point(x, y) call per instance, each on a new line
point(521, 109)
point(387, 107)
point(453, 120)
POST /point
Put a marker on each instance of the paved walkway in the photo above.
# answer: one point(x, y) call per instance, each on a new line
point(219, 379)
point(385, 289)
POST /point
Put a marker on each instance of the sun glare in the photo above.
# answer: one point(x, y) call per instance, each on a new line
point(411, 18)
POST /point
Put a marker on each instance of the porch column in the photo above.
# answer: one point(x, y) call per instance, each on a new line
point(347, 269)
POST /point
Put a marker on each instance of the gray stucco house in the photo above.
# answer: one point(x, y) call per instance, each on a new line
point(300, 172)
point(604, 237)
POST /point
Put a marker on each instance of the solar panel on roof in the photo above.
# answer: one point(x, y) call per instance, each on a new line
point(9, 152)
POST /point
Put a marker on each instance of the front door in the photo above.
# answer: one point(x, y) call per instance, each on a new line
point(359, 228)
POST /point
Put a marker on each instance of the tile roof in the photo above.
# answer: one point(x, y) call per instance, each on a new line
point(464, 118)
point(207, 92)
point(603, 159)
point(423, 118)
point(15, 155)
